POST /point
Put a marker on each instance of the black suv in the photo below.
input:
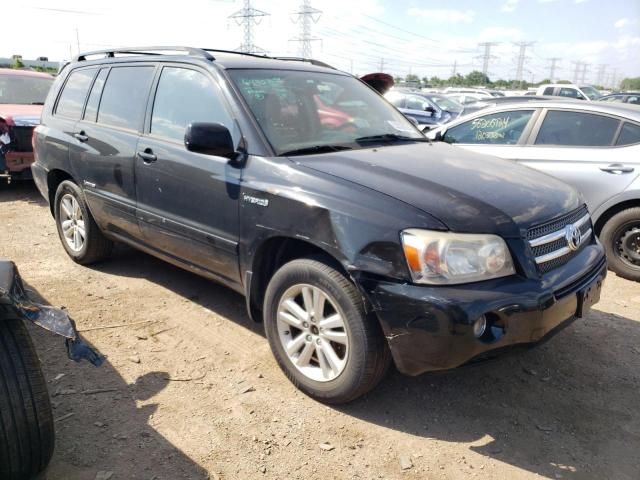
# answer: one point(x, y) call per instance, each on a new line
point(355, 239)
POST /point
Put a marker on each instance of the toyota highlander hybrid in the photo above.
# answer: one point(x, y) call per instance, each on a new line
point(356, 240)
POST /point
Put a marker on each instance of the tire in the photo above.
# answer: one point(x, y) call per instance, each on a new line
point(94, 246)
point(620, 237)
point(362, 361)
point(26, 421)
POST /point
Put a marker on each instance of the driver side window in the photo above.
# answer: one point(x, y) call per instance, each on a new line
point(504, 128)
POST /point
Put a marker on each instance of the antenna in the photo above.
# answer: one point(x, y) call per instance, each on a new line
point(248, 17)
point(305, 15)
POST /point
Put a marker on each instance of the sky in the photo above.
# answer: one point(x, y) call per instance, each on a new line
point(426, 38)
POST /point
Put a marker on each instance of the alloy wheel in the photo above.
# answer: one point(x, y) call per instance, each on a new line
point(72, 222)
point(312, 332)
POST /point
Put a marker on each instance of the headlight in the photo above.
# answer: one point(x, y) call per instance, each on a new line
point(445, 258)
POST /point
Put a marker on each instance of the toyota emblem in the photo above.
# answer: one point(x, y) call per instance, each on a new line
point(573, 236)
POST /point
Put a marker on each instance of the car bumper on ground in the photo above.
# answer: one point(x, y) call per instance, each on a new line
point(431, 328)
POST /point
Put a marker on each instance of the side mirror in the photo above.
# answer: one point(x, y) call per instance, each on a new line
point(430, 109)
point(209, 139)
point(414, 121)
point(435, 135)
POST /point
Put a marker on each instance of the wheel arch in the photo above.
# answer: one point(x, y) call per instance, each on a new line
point(269, 256)
point(54, 178)
point(605, 216)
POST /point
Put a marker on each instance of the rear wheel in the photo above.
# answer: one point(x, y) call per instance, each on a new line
point(621, 239)
point(26, 422)
point(78, 231)
point(320, 334)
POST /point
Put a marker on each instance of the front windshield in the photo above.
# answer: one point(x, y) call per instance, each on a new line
point(23, 89)
point(300, 110)
point(446, 103)
point(591, 92)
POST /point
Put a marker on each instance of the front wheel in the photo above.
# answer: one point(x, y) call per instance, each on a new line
point(320, 334)
point(621, 239)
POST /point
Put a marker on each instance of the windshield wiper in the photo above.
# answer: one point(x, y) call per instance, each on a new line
point(315, 149)
point(390, 137)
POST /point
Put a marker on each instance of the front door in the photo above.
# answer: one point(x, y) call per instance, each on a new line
point(188, 202)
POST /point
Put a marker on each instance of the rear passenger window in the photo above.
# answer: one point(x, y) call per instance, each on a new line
point(186, 96)
point(74, 93)
point(577, 129)
point(629, 135)
point(91, 111)
point(125, 96)
point(569, 92)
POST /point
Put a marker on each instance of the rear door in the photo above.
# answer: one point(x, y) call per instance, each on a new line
point(188, 202)
point(585, 149)
point(107, 137)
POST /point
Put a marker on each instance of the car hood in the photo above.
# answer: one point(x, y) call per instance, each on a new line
point(27, 115)
point(466, 191)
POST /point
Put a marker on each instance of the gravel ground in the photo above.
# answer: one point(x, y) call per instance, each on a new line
point(195, 393)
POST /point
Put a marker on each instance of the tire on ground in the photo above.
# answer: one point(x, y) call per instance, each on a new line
point(610, 236)
point(96, 246)
point(26, 422)
point(369, 357)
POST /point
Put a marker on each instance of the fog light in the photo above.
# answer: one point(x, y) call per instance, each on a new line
point(479, 326)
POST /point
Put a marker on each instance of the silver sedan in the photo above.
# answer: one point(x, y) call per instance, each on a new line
point(593, 146)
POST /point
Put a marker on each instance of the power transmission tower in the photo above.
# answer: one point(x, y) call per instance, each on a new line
point(576, 72)
point(585, 69)
point(248, 17)
point(552, 68)
point(601, 73)
point(486, 56)
point(306, 15)
point(521, 58)
point(382, 65)
point(455, 68)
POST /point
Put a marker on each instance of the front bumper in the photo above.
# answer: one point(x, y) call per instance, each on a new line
point(431, 328)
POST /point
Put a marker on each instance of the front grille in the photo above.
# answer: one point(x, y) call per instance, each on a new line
point(21, 141)
point(549, 242)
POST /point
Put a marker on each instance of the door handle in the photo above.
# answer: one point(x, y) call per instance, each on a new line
point(81, 137)
point(617, 169)
point(147, 156)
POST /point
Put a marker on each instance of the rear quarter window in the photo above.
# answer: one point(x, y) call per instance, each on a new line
point(629, 134)
point(74, 93)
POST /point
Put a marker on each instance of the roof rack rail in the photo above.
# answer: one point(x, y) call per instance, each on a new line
point(199, 52)
point(111, 52)
point(317, 63)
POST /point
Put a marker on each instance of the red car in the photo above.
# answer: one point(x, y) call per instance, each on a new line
point(22, 94)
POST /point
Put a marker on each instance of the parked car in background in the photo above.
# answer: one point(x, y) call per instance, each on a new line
point(22, 94)
point(419, 107)
point(498, 101)
point(585, 92)
point(593, 146)
point(466, 98)
point(483, 92)
point(354, 245)
point(444, 103)
point(623, 97)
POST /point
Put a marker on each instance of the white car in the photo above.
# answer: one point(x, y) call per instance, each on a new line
point(585, 92)
point(593, 146)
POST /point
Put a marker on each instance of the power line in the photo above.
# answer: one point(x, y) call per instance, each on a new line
point(248, 17)
point(306, 15)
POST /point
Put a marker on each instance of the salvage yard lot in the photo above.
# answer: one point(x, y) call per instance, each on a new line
point(191, 390)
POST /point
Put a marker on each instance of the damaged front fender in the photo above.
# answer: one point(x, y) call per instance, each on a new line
point(15, 298)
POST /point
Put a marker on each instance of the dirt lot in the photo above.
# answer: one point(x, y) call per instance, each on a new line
point(194, 392)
